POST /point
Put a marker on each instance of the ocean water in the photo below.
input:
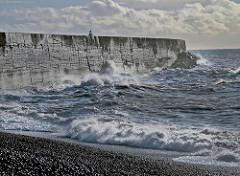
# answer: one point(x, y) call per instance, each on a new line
point(194, 112)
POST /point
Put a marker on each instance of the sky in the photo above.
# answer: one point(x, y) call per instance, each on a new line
point(204, 24)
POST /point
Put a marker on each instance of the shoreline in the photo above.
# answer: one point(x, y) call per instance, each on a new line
point(25, 155)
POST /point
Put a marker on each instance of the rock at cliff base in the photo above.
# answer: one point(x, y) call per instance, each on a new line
point(185, 60)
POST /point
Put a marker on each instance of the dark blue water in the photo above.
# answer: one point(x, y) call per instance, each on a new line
point(196, 112)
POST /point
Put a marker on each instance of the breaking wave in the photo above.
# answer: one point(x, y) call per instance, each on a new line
point(194, 112)
point(202, 61)
point(152, 136)
point(110, 74)
point(236, 71)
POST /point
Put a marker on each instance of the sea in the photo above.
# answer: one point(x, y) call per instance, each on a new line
point(193, 113)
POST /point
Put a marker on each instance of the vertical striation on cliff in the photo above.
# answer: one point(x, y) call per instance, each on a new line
point(30, 58)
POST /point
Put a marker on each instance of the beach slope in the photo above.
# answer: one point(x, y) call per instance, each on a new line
point(22, 155)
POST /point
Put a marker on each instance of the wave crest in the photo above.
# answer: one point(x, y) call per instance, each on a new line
point(135, 135)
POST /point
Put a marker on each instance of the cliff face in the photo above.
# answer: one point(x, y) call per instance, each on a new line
point(29, 59)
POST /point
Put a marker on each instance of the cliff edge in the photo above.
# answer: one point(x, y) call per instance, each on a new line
point(32, 57)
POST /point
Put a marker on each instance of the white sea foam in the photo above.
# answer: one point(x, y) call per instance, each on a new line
point(22, 123)
point(14, 92)
point(229, 157)
point(152, 136)
point(202, 61)
point(201, 146)
point(16, 117)
point(236, 71)
point(203, 160)
point(218, 158)
point(222, 81)
point(110, 74)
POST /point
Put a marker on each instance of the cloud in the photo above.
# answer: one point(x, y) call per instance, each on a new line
point(14, 2)
point(110, 17)
point(158, 4)
point(105, 8)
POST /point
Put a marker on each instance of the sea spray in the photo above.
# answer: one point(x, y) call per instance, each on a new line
point(194, 112)
point(120, 132)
